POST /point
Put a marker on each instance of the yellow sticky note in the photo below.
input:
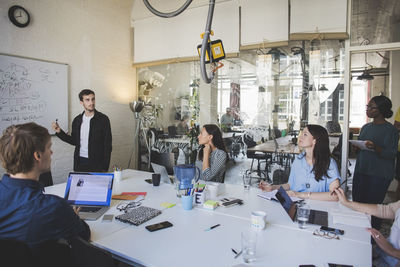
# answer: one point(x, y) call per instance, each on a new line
point(167, 205)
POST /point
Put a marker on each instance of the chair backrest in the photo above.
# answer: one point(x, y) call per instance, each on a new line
point(47, 254)
point(46, 179)
point(53, 253)
point(172, 131)
point(15, 253)
point(165, 159)
point(248, 140)
point(85, 254)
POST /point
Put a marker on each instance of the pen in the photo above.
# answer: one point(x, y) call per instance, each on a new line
point(234, 251)
point(237, 255)
point(212, 227)
point(342, 183)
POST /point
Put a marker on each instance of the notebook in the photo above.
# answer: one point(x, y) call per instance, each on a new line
point(90, 191)
point(138, 215)
point(317, 217)
point(162, 171)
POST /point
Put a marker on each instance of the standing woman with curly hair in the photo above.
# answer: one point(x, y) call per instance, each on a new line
point(213, 155)
point(375, 168)
point(314, 173)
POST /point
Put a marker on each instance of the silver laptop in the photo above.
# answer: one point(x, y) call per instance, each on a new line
point(90, 191)
point(162, 171)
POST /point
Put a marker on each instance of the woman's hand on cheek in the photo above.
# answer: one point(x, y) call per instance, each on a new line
point(206, 149)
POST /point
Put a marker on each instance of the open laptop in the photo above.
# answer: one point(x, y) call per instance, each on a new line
point(162, 171)
point(90, 191)
point(317, 217)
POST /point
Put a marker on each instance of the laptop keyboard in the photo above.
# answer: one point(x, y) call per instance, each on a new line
point(90, 209)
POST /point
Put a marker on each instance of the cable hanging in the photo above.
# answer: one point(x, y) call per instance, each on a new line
point(170, 14)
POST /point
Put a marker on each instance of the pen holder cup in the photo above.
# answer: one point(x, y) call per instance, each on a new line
point(199, 198)
point(187, 202)
point(117, 176)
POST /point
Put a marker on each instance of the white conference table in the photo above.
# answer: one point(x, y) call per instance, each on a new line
point(282, 243)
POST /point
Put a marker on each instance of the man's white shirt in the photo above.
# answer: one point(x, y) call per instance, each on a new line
point(85, 127)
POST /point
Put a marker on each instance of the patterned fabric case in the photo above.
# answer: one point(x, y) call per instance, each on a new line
point(139, 215)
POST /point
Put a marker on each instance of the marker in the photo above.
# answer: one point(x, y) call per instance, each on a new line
point(234, 251)
point(212, 227)
point(342, 183)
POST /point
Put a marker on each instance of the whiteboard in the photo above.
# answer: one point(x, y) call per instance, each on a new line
point(32, 91)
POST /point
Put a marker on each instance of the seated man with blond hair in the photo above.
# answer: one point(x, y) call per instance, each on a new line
point(26, 213)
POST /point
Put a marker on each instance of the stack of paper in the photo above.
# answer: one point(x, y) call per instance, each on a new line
point(344, 215)
point(210, 204)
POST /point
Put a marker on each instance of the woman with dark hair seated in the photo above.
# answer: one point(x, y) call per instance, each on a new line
point(375, 168)
point(213, 153)
point(314, 173)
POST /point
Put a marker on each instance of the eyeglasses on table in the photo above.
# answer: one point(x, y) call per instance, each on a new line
point(127, 206)
point(327, 235)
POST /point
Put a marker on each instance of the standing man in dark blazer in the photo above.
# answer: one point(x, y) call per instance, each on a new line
point(91, 136)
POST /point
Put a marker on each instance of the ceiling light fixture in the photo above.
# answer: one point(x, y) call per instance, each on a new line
point(365, 76)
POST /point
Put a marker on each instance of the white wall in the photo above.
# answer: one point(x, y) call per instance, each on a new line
point(94, 37)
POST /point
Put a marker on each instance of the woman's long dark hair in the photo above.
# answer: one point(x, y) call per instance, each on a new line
point(217, 139)
point(321, 152)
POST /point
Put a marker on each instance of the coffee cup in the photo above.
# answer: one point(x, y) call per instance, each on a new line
point(258, 220)
point(156, 179)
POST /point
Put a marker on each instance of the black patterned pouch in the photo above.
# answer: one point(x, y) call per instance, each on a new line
point(139, 215)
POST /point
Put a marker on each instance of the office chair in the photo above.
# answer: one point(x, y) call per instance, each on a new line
point(259, 156)
point(15, 253)
point(172, 131)
point(47, 254)
point(46, 179)
point(85, 254)
point(165, 159)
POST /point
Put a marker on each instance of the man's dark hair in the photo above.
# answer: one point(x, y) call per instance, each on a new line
point(19, 143)
point(85, 92)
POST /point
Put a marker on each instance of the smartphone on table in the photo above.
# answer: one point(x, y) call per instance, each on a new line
point(108, 217)
point(158, 226)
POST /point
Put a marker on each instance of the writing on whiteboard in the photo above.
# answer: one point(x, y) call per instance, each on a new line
point(32, 91)
point(20, 101)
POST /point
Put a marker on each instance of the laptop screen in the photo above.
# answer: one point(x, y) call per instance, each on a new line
point(287, 203)
point(89, 188)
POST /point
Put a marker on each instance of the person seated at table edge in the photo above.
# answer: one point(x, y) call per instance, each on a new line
point(26, 213)
point(389, 249)
point(314, 173)
point(212, 154)
point(227, 119)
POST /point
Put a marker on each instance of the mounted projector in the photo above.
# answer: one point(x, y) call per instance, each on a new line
point(217, 51)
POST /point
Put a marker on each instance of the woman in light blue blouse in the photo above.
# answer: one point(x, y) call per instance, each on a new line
point(314, 173)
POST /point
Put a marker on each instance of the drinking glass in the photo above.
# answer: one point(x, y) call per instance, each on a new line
point(246, 180)
point(303, 213)
point(249, 244)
